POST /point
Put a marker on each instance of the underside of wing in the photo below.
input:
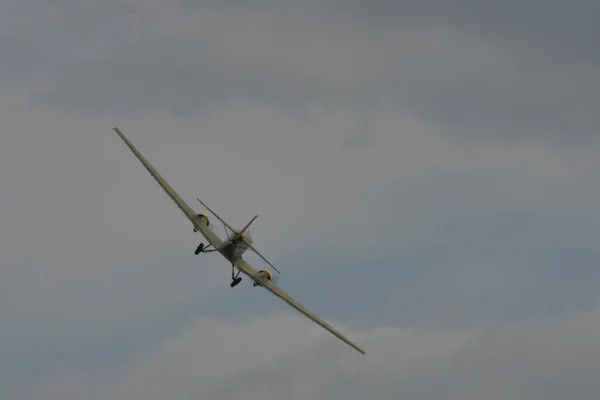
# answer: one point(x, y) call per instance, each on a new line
point(277, 291)
point(183, 206)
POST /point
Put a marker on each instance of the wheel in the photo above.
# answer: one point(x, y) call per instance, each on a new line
point(199, 249)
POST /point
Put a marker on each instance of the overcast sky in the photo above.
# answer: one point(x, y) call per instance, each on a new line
point(425, 174)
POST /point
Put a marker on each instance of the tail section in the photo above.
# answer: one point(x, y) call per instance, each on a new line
point(241, 233)
point(238, 235)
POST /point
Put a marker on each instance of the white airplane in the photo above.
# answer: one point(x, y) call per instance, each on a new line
point(232, 248)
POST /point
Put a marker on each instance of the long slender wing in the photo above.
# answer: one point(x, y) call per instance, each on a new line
point(183, 206)
point(277, 291)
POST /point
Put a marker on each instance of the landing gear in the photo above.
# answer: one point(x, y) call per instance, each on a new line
point(236, 279)
point(203, 249)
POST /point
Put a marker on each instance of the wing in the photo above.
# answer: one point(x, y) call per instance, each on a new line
point(277, 291)
point(183, 206)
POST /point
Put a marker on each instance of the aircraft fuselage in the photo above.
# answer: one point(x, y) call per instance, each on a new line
point(233, 250)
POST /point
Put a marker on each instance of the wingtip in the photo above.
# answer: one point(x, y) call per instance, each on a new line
point(355, 347)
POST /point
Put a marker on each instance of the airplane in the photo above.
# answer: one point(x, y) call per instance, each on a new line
point(232, 248)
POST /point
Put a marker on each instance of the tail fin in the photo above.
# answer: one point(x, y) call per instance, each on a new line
point(238, 234)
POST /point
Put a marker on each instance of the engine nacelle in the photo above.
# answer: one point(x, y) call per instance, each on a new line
point(203, 218)
point(264, 274)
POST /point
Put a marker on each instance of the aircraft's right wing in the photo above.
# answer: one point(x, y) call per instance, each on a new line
point(277, 291)
point(208, 233)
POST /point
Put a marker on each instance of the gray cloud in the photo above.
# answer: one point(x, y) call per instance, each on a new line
point(333, 123)
point(520, 70)
point(95, 256)
point(540, 358)
point(551, 27)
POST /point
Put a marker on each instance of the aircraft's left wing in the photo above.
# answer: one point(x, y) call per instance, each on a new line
point(208, 233)
point(277, 291)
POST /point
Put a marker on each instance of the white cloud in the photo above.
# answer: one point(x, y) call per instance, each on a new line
point(90, 241)
point(91, 244)
point(276, 356)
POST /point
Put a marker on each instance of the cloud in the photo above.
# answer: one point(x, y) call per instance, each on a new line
point(350, 129)
point(96, 258)
point(280, 355)
point(512, 71)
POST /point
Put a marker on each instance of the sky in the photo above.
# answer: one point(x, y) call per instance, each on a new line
point(425, 174)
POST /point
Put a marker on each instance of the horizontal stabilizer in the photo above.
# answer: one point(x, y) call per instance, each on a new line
point(239, 233)
point(261, 256)
point(216, 215)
